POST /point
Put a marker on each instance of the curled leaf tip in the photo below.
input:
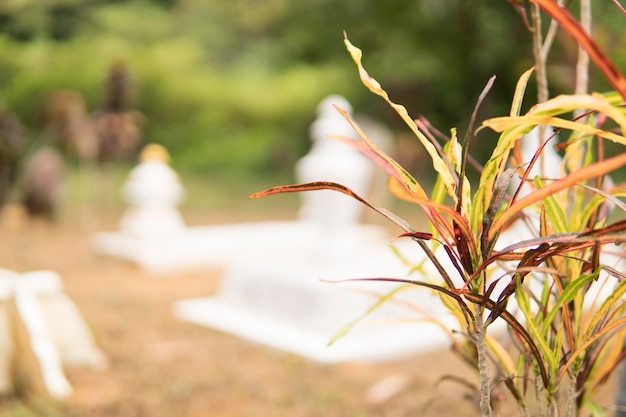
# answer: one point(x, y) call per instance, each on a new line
point(414, 235)
point(265, 193)
point(340, 110)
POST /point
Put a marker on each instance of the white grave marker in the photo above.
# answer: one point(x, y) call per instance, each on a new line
point(271, 290)
point(330, 160)
point(153, 192)
point(152, 232)
point(279, 300)
point(285, 305)
point(44, 334)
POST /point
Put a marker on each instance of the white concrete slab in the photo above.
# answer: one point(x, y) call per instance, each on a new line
point(290, 306)
point(366, 343)
point(43, 334)
point(197, 248)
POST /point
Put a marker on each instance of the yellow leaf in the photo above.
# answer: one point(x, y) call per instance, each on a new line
point(499, 124)
point(520, 88)
point(501, 356)
point(591, 171)
point(438, 163)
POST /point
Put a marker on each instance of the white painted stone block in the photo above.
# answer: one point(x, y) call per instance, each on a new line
point(331, 160)
point(152, 191)
point(289, 306)
point(41, 333)
point(69, 333)
point(39, 366)
point(7, 349)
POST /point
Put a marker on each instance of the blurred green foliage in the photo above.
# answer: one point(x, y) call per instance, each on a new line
point(231, 86)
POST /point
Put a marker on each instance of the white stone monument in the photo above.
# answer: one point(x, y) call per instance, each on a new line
point(280, 300)
point(43, 333)
point(152, 225)
point(288, 305)
point(271, 290)
point(153, 192)
point(152, 233)
point(330, 160)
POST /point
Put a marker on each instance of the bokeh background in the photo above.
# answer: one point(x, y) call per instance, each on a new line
point(230, 87)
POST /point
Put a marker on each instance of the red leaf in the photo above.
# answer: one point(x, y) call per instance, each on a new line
point(417, 235)
point(326, 185)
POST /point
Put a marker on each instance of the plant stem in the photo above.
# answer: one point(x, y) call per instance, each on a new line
point(550, 35)
point(570, 406)
point(483, 367)
point(541, 56)
point(553, 410)
point(541, 50)
point(582, 63)
point(541, 400)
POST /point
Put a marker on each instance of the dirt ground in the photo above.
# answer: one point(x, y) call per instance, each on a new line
point(162, 367)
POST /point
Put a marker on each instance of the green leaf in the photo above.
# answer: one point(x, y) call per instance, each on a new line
point(564, 104)
point(501, 356)
point(513, 128)
point(599, 199)
point(454, 152)
point(501, 124)
point(591, 171)
point(594, 408)
point(569, 293)
point(454, 309)
point(520, 89)
point(612, 301)
point(537, 335)
point(379, 302)
point(554, 211)
point(492, 171)
point(605, 330)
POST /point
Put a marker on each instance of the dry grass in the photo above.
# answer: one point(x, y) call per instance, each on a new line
point(160, 366)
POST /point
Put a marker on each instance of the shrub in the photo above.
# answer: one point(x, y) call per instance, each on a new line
point(543, 285)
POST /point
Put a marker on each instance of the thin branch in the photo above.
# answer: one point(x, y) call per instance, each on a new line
point(582, 64)
point(483, 365)
point(620, 7)
point(550, 35)
point(541, 73)
point(539, 55)
point(570, 25)
point(572, 396)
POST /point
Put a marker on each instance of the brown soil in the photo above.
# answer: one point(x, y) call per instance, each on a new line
point(162, 367)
